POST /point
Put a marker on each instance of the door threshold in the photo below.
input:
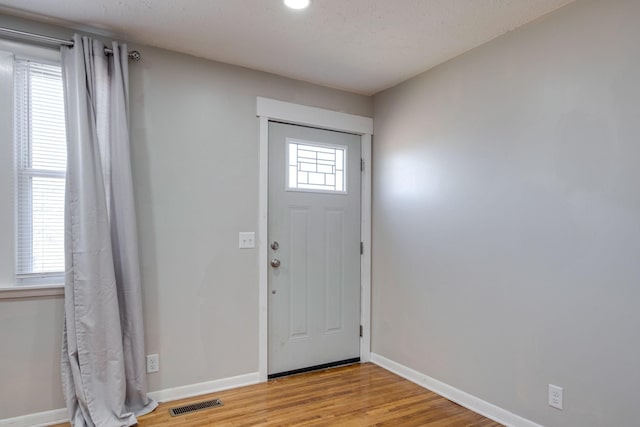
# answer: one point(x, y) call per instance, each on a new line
point(314, 368)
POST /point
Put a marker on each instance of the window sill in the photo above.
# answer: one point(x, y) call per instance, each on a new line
point(31, 291)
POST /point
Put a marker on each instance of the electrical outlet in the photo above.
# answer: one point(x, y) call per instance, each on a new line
point(246, 240)
point(153, 363)
point(555, 396)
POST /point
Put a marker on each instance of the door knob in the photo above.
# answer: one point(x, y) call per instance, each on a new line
point(275, 263)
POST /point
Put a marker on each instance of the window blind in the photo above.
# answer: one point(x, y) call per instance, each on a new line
point(41, 161)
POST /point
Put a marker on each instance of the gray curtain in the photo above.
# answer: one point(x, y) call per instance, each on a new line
point(103, 357)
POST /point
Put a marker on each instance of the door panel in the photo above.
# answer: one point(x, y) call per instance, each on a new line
point(298, 304)
point(334, 269)
point(314, 293)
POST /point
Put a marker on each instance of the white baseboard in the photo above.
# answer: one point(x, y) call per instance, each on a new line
point(58, 416)
point(198, 389)
point(39, 419)
point(460, 397)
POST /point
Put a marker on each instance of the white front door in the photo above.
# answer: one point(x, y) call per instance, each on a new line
point(314, 247)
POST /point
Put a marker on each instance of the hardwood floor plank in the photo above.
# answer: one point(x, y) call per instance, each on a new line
point(357, 395)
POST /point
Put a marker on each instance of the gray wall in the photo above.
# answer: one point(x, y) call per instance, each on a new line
point(30, 337)
point(195, 154)
point(195, 163)
point(507, 218)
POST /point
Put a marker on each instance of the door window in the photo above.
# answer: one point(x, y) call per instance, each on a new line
point(315, 167)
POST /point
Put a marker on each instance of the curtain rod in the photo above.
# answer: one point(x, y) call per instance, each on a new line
point(134, 55)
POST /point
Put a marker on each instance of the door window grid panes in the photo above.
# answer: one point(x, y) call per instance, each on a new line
point(316, 167)
point(41, 156)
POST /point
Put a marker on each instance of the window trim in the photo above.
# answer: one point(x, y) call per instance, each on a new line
point(30, 291)
point(10, 286)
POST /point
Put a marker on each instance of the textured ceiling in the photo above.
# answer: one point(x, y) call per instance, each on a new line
point(362, 46)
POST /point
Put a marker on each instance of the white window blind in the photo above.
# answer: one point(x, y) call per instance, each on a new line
point(41, 161)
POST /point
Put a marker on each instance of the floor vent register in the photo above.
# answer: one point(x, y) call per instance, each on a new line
point(195, 407)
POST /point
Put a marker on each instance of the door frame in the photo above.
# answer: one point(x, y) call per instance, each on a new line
point(270, 109)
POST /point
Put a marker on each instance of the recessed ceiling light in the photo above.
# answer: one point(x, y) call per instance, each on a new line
point(297, 4)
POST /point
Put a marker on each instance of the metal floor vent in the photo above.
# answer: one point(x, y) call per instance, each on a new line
point(194, 407)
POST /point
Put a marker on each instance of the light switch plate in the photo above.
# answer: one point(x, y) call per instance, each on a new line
point(247, 240)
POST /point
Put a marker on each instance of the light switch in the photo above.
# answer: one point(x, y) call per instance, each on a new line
point(247, 240)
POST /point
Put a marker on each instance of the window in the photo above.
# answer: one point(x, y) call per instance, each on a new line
point(316, 167)
point(32, 171)
point(41, 161)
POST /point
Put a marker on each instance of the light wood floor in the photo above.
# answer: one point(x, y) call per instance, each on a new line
point(356, 395)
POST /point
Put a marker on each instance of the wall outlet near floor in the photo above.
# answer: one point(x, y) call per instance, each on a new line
point(555, 396)
point(153, 363)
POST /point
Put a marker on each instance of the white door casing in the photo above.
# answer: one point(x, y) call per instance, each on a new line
point(269, 109)
point(314, 247)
